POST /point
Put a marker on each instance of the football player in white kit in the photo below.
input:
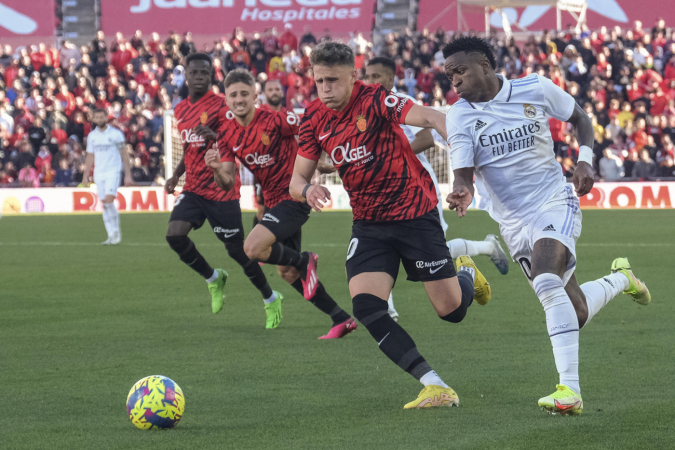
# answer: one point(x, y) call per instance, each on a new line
point(499, 131)
point(105, 149)
point(383, 70)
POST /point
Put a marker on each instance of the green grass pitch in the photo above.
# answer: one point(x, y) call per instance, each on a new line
point(80, 323)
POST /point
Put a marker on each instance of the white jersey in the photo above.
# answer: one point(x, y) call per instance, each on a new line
point(105, 145)
point(508, 141)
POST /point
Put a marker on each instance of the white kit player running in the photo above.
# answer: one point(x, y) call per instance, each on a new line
point(105, 150)
point(499, 129)
point(383, 70)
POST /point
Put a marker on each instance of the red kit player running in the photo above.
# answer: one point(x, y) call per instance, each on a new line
point(265, 142)
point(201, 199)
point(394, 204)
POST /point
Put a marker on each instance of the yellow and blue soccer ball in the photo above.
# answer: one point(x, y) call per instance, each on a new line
point(155, 402)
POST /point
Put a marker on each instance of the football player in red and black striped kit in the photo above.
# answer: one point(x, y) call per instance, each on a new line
point(265, 142)
point(394, 205)
point(197, 117)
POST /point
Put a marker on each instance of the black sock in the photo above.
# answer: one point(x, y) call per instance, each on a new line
point(251, 268)
point(467, 287)
point(281, 255)
point(392, 339)
point(324, 303)
point(187, 252)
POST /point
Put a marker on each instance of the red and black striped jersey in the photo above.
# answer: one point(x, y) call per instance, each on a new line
point(267, 147)
point(379, 171)
point(209, 110)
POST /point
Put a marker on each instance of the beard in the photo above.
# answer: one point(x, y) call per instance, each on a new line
point(274, 101)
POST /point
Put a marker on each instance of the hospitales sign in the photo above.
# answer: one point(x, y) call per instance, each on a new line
point(222, 16)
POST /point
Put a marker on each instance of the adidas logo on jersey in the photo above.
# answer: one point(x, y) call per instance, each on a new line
point(549, 228)
point(480, 124)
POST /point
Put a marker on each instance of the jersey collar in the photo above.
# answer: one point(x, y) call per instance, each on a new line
point(358, 84)
point(208, 94)
point(504, 95)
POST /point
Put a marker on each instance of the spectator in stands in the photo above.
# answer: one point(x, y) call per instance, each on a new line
point(645, 168)
point(611, 167)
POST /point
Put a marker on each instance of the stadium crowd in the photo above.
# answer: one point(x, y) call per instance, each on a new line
point(623, 78)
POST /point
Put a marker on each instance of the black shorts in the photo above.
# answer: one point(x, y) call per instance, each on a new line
point(285, 221)
point(224, 217)
point(419, 243)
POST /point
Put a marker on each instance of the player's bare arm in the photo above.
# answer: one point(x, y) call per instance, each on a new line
point(423, 140)
point(582, 179)
point(88, 162)
point(424, 117)
point(462, 191)
point(325, 166)
point(224, 173)
point(128, 181)
point(301, 188)
point(170, 185)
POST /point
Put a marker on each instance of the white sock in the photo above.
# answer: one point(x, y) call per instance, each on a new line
point(108, 219)
point(271, 299)
point(115, 218)
point(213, 277)
point(432, 378)
point(563, 327)
point(459, 247)
point(599, 292)
point(391, 302)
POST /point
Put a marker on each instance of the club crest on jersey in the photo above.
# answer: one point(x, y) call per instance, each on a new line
point(265, 139)
point(529, 110)
point(203, 118)
point(361, 123)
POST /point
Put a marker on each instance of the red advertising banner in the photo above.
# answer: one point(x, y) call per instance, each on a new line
point(220, 17)
point(433, 13)
point(33, 18)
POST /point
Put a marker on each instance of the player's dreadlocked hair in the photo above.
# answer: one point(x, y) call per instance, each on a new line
point(386, 62)
point(239, 75)
point(470, 44)
point(331, 53)
point(198, 57)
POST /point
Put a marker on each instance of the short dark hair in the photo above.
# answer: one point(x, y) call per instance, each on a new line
point(239, 76)
point(198, 57)
point(386, 62)
point(332, 53)
point(470, 44)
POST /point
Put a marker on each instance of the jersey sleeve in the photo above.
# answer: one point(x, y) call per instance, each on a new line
point(120, 139)
point(558, 103)
point(390, 106)
point(461, 145)
point(308, 146)
point(289, 123)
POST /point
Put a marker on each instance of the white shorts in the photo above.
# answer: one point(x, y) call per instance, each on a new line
point(559, 219)
point(107, 184)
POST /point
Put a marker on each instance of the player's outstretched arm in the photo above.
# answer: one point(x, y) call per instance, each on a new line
point(224, 172)
point(301, 187)
point(583, 178)
point(88, 162)
point(423, 117)
point(462, 191)
point(423, 141)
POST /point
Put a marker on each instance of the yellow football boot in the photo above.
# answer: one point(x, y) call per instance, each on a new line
point(563, 401)
point(482, 291)
point(434, 396)
point(637, 289)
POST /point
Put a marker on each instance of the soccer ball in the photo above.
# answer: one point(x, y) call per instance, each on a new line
point(155, 402)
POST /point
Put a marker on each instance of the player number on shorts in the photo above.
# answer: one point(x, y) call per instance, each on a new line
point(178, 200)
point(352, 247)
point(526, 266)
